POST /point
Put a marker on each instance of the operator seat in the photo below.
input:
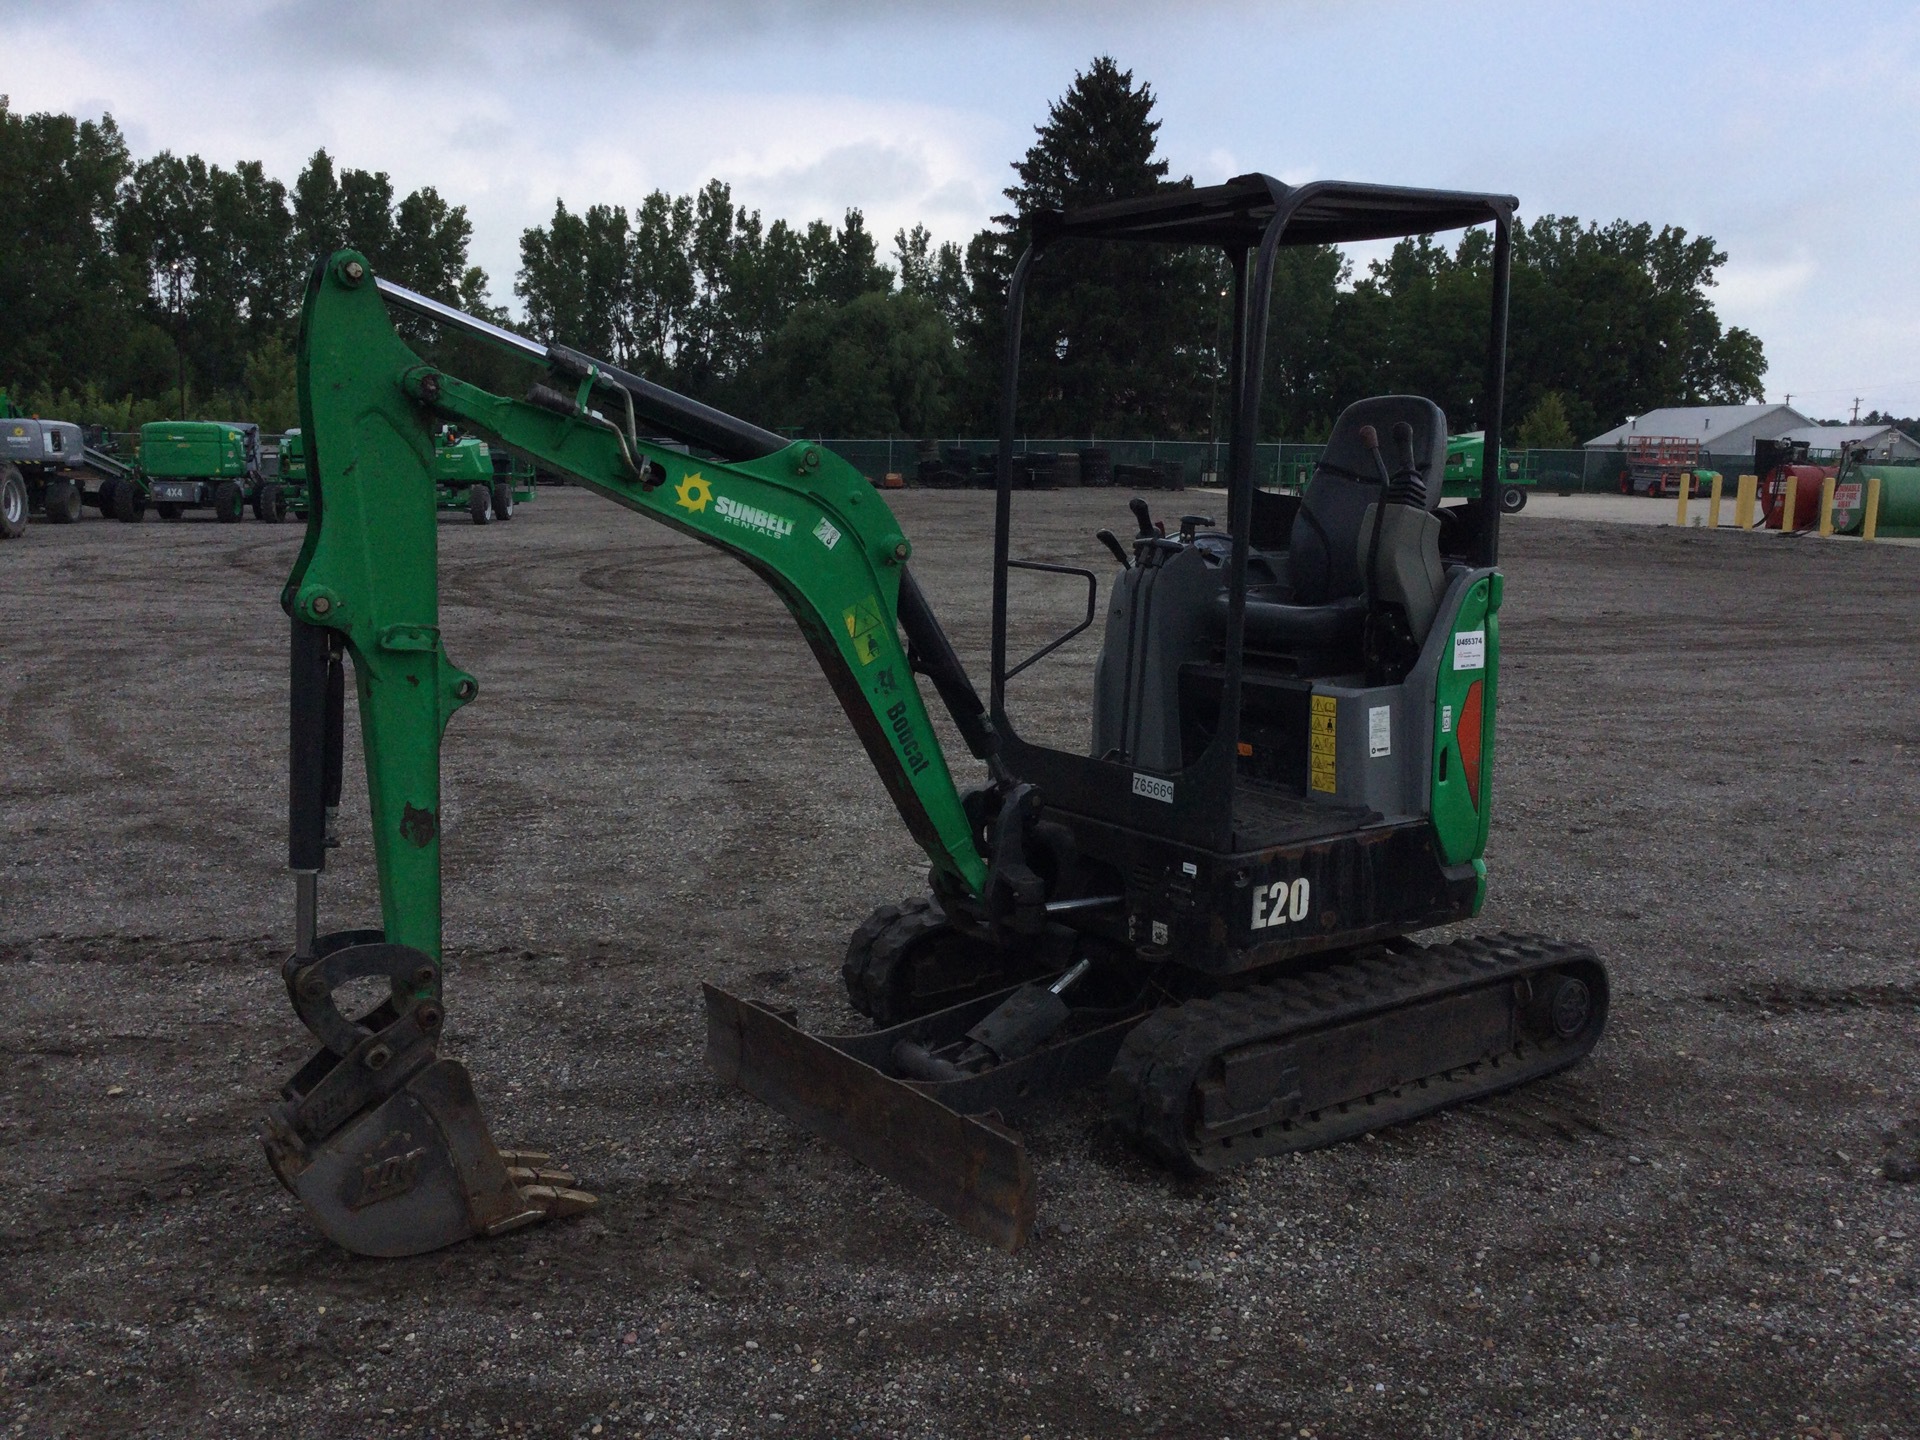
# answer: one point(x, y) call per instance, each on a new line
point(1320, 613)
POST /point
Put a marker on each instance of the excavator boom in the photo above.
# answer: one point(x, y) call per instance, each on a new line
point(365, 587)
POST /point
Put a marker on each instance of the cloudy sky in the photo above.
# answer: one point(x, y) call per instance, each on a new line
point(1786, 131)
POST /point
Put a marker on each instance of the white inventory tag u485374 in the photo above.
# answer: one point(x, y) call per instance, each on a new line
point(1470, 650)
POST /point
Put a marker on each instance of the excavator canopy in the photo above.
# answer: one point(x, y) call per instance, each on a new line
point(1237, 214)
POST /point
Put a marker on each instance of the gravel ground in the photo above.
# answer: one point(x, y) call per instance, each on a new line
point(1707, 769)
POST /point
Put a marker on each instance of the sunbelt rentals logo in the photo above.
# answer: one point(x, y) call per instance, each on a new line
point(751, 517)
point(695, 492)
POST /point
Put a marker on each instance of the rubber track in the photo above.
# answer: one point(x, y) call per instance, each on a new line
point(879, 947)
point(1152, 1083)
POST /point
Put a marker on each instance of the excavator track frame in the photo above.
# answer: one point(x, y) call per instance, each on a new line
point(1379, 1036)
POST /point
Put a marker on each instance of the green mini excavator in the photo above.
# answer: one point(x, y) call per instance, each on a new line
point(1207, 909)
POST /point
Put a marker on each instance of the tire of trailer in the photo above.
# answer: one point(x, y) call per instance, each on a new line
point(270, 503)
point(1513, 499)
point(502, 500)
point(13, 504)
point(62, 502)
point(229, 502)
point(169, 510)
point(479, 504)
point(129, 504)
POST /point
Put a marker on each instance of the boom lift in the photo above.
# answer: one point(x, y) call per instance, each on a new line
point(1209, 909)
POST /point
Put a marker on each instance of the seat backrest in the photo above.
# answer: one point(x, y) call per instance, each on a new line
point(1321, 564)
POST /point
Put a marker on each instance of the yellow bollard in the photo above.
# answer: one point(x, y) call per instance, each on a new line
point(1743, 505)
point(1826, 506)
point(1870, 526)
point(1786, 505)
point(1686, 492)
point(1713, 503)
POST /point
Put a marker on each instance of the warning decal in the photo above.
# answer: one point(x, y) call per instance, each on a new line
point(1321, 743)
point(863, 628)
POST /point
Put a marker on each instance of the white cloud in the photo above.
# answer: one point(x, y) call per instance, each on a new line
point(1787, 146)
point(1746, 289)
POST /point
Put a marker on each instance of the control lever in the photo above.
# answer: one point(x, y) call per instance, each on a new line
point(1140, 513)
point(1370, 438)
point(1191, 523)
point(1382, 635)
point(1112, 542)
point(1409, 488)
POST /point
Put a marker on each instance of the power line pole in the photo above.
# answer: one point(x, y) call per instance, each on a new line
point(1856, 411)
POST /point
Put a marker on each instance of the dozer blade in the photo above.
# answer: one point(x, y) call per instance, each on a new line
point(417, 1172)
point(970, 1168)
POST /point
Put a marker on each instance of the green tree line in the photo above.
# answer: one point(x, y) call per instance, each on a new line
point(135, 289)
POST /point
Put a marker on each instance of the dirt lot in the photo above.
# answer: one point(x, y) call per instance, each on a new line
point(1709, 768)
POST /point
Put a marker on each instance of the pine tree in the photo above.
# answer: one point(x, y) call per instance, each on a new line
point(1546, 427)
point(1116, 336)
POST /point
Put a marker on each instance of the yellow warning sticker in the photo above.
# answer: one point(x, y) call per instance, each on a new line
point(863, 628)
point(1322, 733)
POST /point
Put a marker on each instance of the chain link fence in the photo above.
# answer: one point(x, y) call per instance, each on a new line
point(1144, 464)
point(1163, 464)
point(1154, 464)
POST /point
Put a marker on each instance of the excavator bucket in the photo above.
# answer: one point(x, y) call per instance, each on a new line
point(419, 1171)
point(380, 1138)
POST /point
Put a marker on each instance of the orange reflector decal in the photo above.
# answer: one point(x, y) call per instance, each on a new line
point(1468, 735)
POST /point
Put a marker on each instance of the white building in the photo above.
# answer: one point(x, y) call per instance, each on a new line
point(1721, 429)
point(1878, 442)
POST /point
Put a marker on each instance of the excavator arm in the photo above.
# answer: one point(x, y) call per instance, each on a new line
point(377, 1135)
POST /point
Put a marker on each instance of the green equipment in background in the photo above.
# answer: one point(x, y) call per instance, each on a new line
point(292, 479)
point(468, 475)
point(1465, 455)
point(206, 465)
point(479, 478)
